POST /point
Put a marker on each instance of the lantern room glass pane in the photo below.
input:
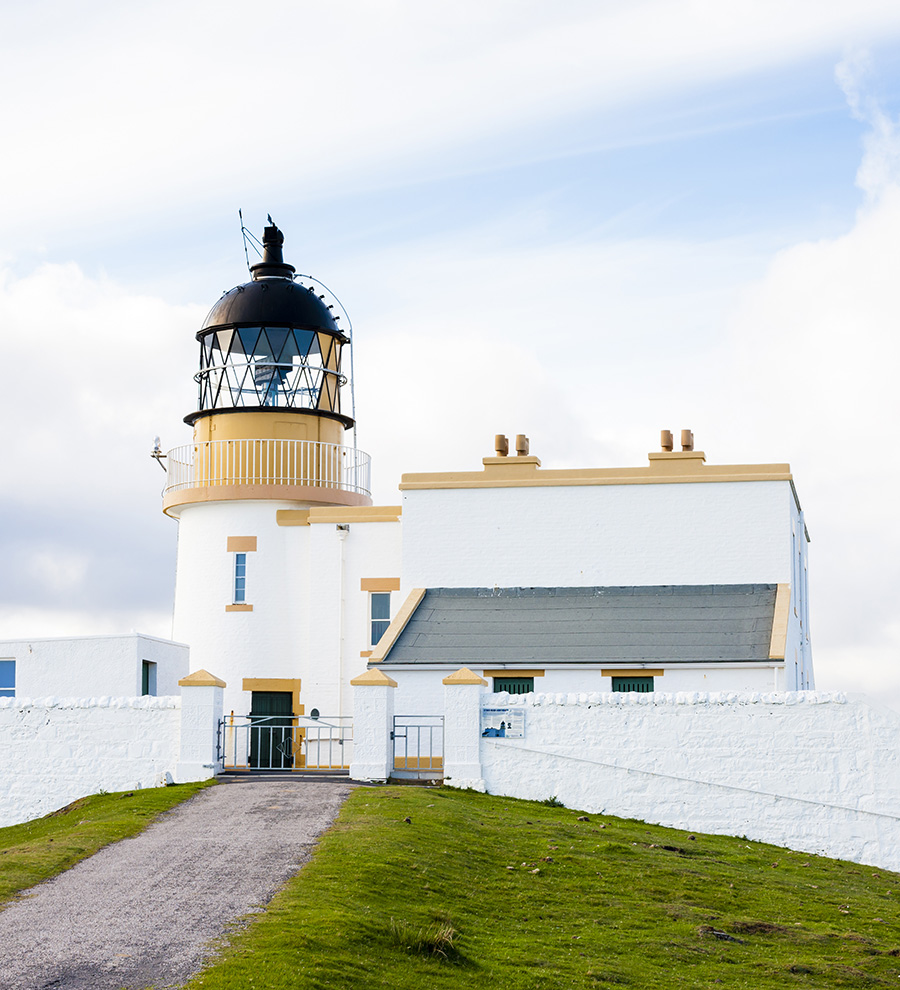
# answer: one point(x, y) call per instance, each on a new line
point(268, 366)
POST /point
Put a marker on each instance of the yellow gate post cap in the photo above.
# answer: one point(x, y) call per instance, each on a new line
point(464, 676)
point(373, 678)
point(201, 678)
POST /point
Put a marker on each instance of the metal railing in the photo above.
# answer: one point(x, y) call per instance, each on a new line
point(418, 746)
point(285, 742)
point(211, 463)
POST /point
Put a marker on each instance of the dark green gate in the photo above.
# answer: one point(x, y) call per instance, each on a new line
point(271, 730)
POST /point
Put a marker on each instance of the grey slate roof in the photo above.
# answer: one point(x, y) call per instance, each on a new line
point(675, 623)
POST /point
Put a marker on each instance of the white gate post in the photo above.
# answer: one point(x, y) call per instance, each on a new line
point(201, 710)
point(373, 723)
point(462, 729)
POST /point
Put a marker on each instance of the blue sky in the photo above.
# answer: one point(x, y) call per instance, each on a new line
point(615, 218)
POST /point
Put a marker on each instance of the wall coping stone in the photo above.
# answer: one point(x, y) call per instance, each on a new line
point(147, 701)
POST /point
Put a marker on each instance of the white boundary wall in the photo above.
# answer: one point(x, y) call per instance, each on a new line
point(55, 750)
point(811, 771)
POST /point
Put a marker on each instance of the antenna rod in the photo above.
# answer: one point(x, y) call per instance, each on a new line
point(244, 238)
point(247, 235)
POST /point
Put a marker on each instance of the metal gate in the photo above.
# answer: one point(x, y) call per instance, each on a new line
point(418, 747)
point(278, 742)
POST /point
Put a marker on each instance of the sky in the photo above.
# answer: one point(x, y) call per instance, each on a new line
point(585, 222)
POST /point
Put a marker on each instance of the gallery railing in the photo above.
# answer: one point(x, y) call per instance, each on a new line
point(267, 462)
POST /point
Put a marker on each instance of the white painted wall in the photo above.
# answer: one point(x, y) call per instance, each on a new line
point(814, 772)
point(86, 666)
point(309, 617)
point(704, 533)
point(56, 750)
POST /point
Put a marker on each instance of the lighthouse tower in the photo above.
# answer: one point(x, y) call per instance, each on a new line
point(260, 593)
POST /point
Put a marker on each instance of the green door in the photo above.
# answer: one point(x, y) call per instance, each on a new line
point(271, 730)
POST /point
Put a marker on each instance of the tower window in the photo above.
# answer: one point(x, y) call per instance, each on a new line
point(379, 614)
point(7, 678)
point(240, 578)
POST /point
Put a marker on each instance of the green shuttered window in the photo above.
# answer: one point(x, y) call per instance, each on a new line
point(640, 685)
point(514, 685)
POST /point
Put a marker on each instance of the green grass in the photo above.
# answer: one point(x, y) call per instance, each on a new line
point(481, 891)
point(39, 849)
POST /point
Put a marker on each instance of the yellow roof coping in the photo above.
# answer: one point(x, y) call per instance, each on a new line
point(464, 676)
point(780, 617)
point(201, 678)
point(374, 678)
point(292, 517)
point(664, 467)
point(354, 513)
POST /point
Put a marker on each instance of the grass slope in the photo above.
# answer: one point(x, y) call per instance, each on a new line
point(477, 891)
point(39, 849)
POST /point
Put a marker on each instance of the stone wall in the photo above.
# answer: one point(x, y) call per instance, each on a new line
point(55, 750)
point(811, 771)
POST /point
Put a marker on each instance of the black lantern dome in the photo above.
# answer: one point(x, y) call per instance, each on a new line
point(271, 343)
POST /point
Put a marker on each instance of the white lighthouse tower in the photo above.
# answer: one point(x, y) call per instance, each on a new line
point(261, 593)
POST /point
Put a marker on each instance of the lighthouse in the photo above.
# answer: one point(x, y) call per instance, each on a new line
point(281, 555)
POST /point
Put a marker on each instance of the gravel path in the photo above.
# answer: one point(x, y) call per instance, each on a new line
point(141, 912)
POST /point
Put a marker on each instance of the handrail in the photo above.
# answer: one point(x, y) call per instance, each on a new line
point(212, 463)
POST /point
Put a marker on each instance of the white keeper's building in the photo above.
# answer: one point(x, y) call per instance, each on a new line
point(672, 576)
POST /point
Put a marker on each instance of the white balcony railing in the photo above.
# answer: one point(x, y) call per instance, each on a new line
point(267, 462)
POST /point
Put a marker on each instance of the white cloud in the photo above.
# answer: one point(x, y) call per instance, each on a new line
point(89, 382)
point(92, 373)
point(880, 165)
point(122, 110)
point(40, 622)
point(589, 347)
point(817, 351)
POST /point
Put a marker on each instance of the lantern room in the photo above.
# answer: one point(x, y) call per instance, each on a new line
point(269, 422)
point(271, 343)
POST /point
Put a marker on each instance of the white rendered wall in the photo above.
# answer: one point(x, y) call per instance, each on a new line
point(813, 772)
point(55, 750)
point(704, 533)
point(234, 645)
point(87, 666)
point(309, 618)
point(338, 618)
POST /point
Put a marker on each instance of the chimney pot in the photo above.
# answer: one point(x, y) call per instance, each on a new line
point(665, 439)
point(687, 440)
point(501, 445)
point(521, 445)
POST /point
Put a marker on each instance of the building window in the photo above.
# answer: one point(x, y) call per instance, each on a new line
point(240, 578)
point(148, 677)
point(514, 685)
point(7, 678)
point(639, 685)
point(379, 614)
